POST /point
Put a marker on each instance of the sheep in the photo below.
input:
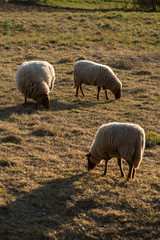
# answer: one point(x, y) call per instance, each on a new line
point(35, 79)
point(119, 140)
point(91, 73)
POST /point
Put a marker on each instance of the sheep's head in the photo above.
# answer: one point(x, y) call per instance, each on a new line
point(44, 100)
point(117, 93)
point(91, 165)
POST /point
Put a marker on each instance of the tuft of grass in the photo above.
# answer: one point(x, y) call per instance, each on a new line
point(42, 130)
point(5, 163)
point(152, 140)
point(143, 72)
point(12, 139)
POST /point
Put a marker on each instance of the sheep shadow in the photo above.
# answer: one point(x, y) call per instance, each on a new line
point(19, 109)
point(50, 208)
point(45, 209)
point(58, 207)
point(56, 105)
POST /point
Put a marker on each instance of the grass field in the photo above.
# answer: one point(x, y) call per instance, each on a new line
point(81, 4)
point(45, 189)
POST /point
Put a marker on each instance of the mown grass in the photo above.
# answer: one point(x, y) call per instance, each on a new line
point(45, 189)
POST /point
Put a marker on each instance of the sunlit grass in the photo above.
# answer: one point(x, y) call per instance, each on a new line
point(116, 29)
point(45, 189)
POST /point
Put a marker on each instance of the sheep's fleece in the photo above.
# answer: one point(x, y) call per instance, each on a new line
point(91, 73)
point(35, 78)
point(120, 140)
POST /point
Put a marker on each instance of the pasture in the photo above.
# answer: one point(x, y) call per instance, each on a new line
point(45, 190)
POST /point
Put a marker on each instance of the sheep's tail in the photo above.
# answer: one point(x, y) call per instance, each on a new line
point(139, 152)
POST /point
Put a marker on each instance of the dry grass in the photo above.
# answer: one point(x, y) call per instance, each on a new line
point(45, 189)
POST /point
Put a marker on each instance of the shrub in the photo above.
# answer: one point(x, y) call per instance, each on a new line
point(148, 4)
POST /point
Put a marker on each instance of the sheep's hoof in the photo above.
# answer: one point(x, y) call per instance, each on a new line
point(129, 179)
point(103, 174)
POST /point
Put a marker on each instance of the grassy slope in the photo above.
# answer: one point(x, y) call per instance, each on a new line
point(45, 190)
point(80, 4)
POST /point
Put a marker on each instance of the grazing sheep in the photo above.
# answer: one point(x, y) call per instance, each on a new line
point(91, 73)
point(120, 140)
point(35, 79)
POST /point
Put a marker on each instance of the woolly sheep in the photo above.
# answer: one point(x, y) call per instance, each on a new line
point(120, 140)
point(91, 73)
point(35, 79)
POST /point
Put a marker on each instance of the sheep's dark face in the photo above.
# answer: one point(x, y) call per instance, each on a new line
point(118, 94)
point(45, 101)
point(90, 164)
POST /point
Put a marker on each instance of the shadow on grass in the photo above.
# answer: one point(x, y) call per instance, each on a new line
point(53, 207)
point(59, 210)
point(6, 112)
point(55, 105)
point(44, 210)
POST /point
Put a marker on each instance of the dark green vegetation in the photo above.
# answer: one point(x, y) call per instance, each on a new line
point(45, 189)
point(148, 4)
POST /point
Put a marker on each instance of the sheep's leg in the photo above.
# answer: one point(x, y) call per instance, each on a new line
point(133, 173)
point(106, 94)
point(25, 102)
point(77, 90)
point(120, 167)
point(99, 88)
point(130, 171)
point(82, 90)
point(105, 170)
